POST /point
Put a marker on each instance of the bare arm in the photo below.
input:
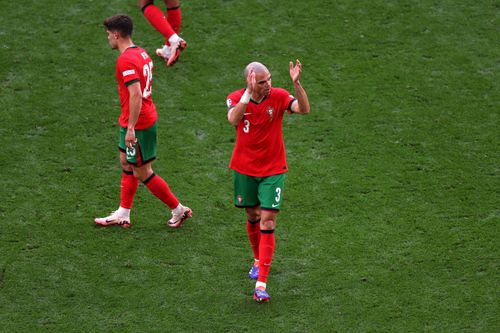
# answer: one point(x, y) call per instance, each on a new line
point(135, 104)
point(301, 105)
point(236, 113)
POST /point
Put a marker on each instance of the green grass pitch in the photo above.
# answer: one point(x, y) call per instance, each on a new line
point(391, 212)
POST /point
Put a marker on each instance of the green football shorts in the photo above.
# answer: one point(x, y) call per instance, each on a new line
point(253, 191)
point(144, 150)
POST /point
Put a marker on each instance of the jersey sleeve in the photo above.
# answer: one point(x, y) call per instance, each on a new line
point(233, 99)
point(288, 99)
point(128, 71)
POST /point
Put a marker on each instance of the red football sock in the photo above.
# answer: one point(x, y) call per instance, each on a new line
point(253, 230)
point(174, 17)
point(158, 21)
point(127, 189)
point(266, 250)
point(160, 189)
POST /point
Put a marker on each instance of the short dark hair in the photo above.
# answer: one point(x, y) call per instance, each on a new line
point(120, 23)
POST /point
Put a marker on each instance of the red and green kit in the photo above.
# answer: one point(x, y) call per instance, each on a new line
point(259, 149)
point(135, 65)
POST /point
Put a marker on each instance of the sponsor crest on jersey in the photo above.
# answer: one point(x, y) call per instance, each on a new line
point(229, 102)
point(240, 199)
point(270, 112)
point(128, 72)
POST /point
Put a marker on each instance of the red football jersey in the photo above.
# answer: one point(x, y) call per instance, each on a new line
point(135, 65)
point(259, 150)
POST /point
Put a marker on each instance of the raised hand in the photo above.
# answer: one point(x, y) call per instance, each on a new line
point(295, 70)
point(250, 81)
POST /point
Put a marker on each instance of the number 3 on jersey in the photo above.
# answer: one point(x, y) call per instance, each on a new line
point(246, 127)
point(147, 71)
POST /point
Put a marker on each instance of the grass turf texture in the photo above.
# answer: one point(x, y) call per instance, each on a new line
point(391, 212)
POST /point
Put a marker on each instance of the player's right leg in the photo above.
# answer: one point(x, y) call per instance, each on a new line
point(128, 188)
point(253, 231)
point(115, 218)
point(245, 196)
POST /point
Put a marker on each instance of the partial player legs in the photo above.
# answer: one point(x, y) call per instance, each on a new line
point(159, 187)
point(128, 187)
point(158, 20)
point(253, 231)
point(174, 15)
point(168, 25)
point(155, 184)
point(263, 243)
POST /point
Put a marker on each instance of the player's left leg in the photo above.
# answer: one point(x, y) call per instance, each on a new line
point(159, 187)
point(266, 251)
point(156, 185)
point(270, 196)
point(146, 151)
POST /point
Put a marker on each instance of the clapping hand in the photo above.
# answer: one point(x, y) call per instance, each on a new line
point(295, 70)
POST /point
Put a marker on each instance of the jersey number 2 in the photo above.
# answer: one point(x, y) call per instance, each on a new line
point(147, 71)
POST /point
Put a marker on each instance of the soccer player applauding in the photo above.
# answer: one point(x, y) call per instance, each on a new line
point(259, 159)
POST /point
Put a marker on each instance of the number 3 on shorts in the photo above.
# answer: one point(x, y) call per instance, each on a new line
point(277, 198)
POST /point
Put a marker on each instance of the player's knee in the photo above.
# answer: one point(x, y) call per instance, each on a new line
point(267, 224)
point(143, 173)
point(144, 3)
point(253, 214)
point(253, 217)
point(171, 4)
point(139, 175)
point(126, 166)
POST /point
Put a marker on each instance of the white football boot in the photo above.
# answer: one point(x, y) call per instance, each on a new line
point(164, 52)
point(179, 216)
point(113, 219)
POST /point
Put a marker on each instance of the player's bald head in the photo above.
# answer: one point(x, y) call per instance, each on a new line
point(256, 67)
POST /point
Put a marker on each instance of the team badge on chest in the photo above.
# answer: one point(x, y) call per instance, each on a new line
point(270, 112)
